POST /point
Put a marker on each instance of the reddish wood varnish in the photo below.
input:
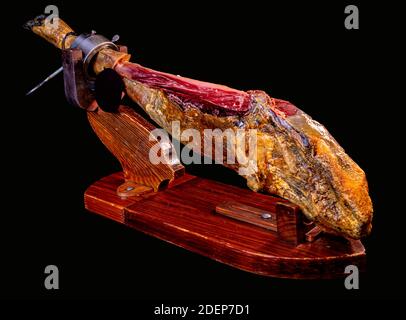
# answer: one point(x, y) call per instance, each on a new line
point(184, 214)
point(127, 135)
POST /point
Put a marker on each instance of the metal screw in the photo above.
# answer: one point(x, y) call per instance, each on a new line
point(129, 188)
point(115, 38)
point(266, 216)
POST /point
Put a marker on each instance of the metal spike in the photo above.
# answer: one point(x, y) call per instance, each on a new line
point(52, 75)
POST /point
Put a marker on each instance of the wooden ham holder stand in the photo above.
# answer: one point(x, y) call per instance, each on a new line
point(247, 230)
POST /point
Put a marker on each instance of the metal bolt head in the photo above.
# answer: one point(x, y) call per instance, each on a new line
point(115, 38)
point(266, 216)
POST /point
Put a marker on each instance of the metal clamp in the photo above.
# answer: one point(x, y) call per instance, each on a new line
point(90, 44)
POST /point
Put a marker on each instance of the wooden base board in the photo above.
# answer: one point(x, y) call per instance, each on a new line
point(184, 215)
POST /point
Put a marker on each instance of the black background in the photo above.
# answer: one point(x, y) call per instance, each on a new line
point(296, 51)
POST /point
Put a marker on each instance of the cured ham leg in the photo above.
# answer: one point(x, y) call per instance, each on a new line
point(296, 157)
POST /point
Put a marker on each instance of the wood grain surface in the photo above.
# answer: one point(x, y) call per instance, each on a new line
point(184, 214)
point(127, 136)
